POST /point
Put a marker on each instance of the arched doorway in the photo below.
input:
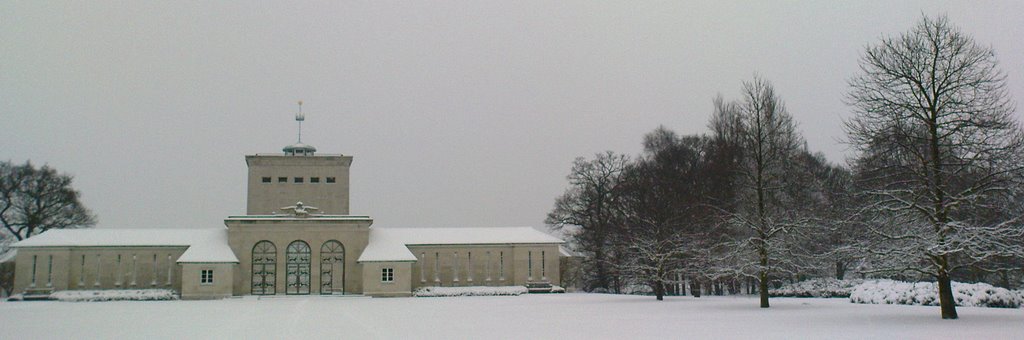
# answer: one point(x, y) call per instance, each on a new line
point(298, 268)
point(332, 268)
point(264, 268)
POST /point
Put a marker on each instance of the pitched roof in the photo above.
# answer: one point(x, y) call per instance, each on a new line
point(390, 244)
point(204, 245)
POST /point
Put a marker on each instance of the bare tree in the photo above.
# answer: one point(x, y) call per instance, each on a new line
point(588, 207)
point(831, 248)
point(938, 153)
point(767, 176)
point(661, 199)
point(33, 201)
point(6, 265)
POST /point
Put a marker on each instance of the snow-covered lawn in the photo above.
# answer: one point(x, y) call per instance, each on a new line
point(529, 316)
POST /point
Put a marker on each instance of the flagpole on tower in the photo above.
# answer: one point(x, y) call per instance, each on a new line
point(299, 117)
point(299, 149)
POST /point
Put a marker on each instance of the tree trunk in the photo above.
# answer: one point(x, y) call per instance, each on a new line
point(659, 290)
point(763, 288)
point(695, 287)
point(840, 270)
point(946, 302)
point(763, 275)
point(602, 271)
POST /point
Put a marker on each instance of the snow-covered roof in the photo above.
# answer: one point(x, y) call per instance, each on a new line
point(213, 247)
point(204, 245)
point(390, 244)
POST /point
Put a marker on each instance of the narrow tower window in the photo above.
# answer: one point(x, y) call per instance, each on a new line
point(529, 265)
point(34, 260)
point(99, 267)
point(153, 282)
point(134, 267)
point(117, 272)
point(469, 266)
point(170, 269)
point(488, 265)
point(81, 276)
point(437, 267)
point(543, 267)
point(49, 273)
point(455, 267)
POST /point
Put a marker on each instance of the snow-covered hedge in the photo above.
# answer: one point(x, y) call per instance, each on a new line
point(823, 287)
point(927, 293)
point(114, 295)
point(469, 291)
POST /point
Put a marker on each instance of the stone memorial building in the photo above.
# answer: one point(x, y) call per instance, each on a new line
point(297, 238)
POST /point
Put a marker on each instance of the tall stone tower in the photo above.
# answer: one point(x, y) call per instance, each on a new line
point(298, 175)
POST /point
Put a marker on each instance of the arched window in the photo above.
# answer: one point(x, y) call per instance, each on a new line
point(298, 268)
point(332, 268)
point(264, 268)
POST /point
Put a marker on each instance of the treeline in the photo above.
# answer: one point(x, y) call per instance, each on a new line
point(746, 203)
point(932, 193)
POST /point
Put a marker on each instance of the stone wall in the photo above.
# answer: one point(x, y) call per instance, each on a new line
point(375, 285)
point(484, 265)
point(193, 286)
point(45, 269)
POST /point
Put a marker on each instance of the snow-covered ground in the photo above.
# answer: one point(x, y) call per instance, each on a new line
point(531, 316)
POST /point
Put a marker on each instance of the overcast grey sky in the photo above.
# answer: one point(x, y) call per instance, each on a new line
point(457, 113)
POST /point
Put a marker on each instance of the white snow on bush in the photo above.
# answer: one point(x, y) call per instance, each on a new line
point(927, 294)
point(114, 295)
point(822, 287)
point(469, 291)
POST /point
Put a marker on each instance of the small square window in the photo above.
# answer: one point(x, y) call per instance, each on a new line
point(266, 179)
point(282, 179)
point(387, 275)
point(314, 179)
point(206, 277)
point(330, 179)
point(298, 179)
